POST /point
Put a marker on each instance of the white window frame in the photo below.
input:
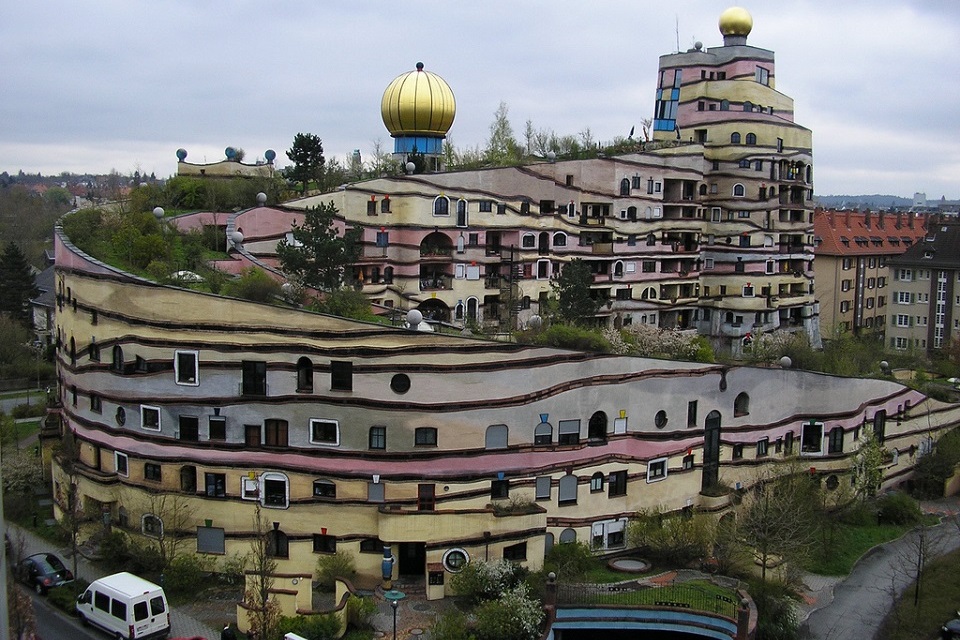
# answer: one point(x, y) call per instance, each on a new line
point(533, 241)
point(250, 488)
point(652, 466)
point(900, 343)
point(117, 457)
point(196, 368)
point(325, 443)
point(903, 320)
point(749, 291)
point(273, 475)
point(145, 407)
point(904, 297)
point(143, 526)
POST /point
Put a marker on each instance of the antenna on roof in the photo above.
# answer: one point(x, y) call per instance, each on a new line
point(676, 18)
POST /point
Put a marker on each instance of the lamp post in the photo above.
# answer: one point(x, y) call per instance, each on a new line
point(394, 597)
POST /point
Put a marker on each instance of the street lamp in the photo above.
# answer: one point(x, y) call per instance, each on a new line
point(394, 597)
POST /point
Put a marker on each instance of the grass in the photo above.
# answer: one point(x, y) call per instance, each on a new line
point(849, 544)
point(939, 599)
point(698, 595)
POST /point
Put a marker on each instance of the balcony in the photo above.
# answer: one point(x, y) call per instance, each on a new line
point(602, 248)
point(436, 282)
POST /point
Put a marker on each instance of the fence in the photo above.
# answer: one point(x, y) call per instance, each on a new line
point(693, 597)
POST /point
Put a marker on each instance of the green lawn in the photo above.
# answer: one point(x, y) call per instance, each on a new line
point(849, 543)
point(939, 600)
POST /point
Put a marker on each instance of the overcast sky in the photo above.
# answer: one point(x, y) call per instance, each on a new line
point(122, 84)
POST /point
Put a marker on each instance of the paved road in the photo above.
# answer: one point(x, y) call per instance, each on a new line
point(865, 597)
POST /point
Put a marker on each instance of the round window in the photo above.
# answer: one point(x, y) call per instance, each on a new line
point(454, 560)
point(400, 383)
point(832, 482)
point(660, 420)
point(121, 416)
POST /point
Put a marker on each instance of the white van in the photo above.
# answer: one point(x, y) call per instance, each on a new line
point(125, 606)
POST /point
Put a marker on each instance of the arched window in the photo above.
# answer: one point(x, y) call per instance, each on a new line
point(618, 269)
point(596, 482)
point(703, 189)
point(441, 206)
point(835, 443)
point(472, 309)
point(651, 240)
point(568, 535)
point(748, 106)
point(559, 239)
point(632, 214)
point(278, 545)
point(741, 405)
point(735, 137)
point(567, 490)
point(738, 191)
point(529, 241)
point(751, 138)
point(151, 525)
point(543, 433)
point(547, 543)
point(625, 187)
point(458, 311)
point(461, 213)
point(117, 364)
point(497, 436)
point(597, 427)
point(304, 374)
point(650, 293)
point(724, 105)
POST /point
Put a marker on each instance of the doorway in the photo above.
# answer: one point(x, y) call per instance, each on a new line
point(412, 557)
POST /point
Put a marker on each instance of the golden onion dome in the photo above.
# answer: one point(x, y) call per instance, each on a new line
point(736, 21)
point(418, 103)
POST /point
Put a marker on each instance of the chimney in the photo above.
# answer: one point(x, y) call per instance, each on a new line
point(830, 218)
point(847, 218)
point(880, 219)
point(866, 218)
point(910, 219)
point(899, 219)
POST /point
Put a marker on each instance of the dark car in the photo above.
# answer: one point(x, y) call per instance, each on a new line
point(951, 630)
point(43, 571)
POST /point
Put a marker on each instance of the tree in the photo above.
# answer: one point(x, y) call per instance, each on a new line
point(502, 146)
point(572, 288)
point(253, 284)
point(778, 519)
point(263, 612)
point(868, 466)
point(319, 255)
point(175, 515)
point(347, 303)
point(306, 154)
point(17, 286)
point(68, 452)
point(672, 537)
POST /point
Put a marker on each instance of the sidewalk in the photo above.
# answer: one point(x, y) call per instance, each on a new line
point(181, 624)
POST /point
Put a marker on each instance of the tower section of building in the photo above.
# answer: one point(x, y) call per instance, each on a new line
point(418, 109)
point(757, 184)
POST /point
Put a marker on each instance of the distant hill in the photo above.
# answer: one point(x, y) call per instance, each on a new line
point(874, 201)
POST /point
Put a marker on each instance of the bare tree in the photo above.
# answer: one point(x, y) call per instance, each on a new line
point(175, 515)
point(22, 618)
point(263, 612)
point(72, 517)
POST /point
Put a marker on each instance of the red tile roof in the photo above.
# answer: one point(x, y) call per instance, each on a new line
point(850, 233)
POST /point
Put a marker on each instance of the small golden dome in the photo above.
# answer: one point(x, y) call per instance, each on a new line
point(418, 103)
point(736, 21)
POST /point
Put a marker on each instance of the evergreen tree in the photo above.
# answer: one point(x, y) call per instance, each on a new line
point(306, 154)
point(17, 286)
point(319, 256)
point(572, 288)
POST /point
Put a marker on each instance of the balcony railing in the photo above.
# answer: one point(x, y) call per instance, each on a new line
point(435, 283)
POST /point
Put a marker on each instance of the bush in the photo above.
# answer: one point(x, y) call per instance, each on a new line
point(65, 596)
point(451, 625)
point(777, 617)
point(29, 410)
point(672, 538)
point(115, 550)
point(331, 567)
point(569, 560)
point(184, 576)
point(898, 508)
point(360, 610)
point(316, 627)
point(512, 616)
point(569, 337)
point(480, 580)
point(232, 568)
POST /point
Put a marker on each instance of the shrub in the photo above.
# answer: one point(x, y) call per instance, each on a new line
point(184, 576)
point(28, 410)
point(232, 568)
point(512, 616)
point(672, 537)
point(570, 337)
point(777, 616)
point(316, 627)
point(360, 610)
point(115, 550)
point(480, 580)
point(65, 596)
point(569, 560)
point(451, 625)
point(898, 508)
point(331, 567)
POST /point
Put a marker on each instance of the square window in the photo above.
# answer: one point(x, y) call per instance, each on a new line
point(688, 462)
point(737, 451)
point(515, 552)
point(499, 489)
point(324, 543)
point(189, 428)
point(215, 484)
point(149, 418)
point(211, 540)
point(811, 438)
point(569, 432)
point(120, 462)
point(371, 545)
point(374, 492)
point(425, 437)
point(762, 447)
point(254, 374)
point(617, 483)
point(656, 470)
point(249, 488)
point(324, 489)
point(325, 432)
point(151, 471)
point(185, 367)
point(341, 375)
point(218, 428)
point(486, 206)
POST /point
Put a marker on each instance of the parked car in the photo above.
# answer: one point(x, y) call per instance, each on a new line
point(43, 571)
point(951, 630)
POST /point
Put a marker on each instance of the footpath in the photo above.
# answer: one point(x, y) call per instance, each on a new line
point(837, 608)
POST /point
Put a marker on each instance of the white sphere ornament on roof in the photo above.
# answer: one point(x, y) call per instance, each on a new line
point(786, 362)
point(410, 167)
point(261, 199)
point(236, 237)
point(414, 318)
point(158, 212)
